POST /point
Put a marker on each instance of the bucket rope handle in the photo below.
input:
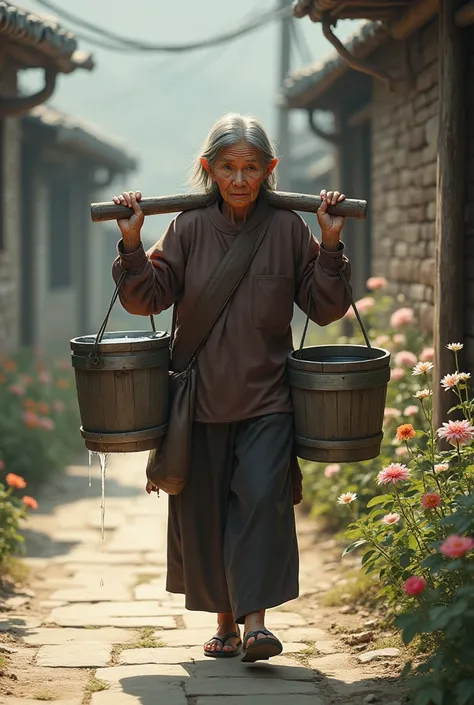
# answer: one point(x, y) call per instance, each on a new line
point(353, 304)
point(94, 353)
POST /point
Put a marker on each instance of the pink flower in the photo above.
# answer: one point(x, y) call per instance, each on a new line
point(457, 432)
point(331, 470)
point(414, 586)
point(58, 406)
point(405, 357)
point(390, 413)
point(17, 389)
point(401, 452)
point(349, 313)
point(374, 283)
point(397, 373)
point(456, 546)
point(402, 317)
point(427, 355)
point(392, 518)
point(365, 304)
point(441, 467)
point(46, 423)
point(431, 500)
point(381, 340)
point(399, 339)
point(392, 474)
point(411, 410)
point(44, 377)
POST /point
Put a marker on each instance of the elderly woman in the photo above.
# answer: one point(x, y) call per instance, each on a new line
point(232, 546)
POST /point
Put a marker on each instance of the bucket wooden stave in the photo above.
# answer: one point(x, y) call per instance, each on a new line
point(338, 394)
point(122, 390)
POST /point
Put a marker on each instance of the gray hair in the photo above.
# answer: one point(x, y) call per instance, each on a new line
point(228, 130)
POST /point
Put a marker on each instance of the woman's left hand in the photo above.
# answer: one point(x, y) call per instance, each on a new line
point(331, 225)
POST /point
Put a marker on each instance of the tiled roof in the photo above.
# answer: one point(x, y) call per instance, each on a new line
point(43, 35)
point(88, 139)
point(297, 85)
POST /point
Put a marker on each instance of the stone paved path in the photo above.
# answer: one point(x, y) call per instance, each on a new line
point(102, 629)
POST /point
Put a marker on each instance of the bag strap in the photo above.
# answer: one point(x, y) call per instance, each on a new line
point(219, 290)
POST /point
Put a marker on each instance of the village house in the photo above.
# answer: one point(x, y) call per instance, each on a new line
point(402, 101)
point(52, 261)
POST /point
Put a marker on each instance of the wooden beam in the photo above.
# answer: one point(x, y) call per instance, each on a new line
point(420, 12)
point(361, 116)
point(449, 307)
point(464, 16)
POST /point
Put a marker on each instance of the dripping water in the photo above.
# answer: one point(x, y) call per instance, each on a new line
point(103, 458)
point(90, 468)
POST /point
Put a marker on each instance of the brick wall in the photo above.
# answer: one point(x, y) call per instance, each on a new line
point(10, 195)
point(404, 149)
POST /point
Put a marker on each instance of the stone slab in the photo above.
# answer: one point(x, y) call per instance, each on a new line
point(149, 691)
point(19, 623)
point(352, 682)
point(260, 700)
point(85, 654)
point(304, 634)
point(279, 619)
point(107, 593)
point(117, 674)
point(378, 655)
point(111, 614)
point(57, 636)
point(280, 668)
point(27, 701)
point(119, 622)
point(196, 687)
point(152, 591)
point(184, 637)
point(177, 655)
point(332, 664)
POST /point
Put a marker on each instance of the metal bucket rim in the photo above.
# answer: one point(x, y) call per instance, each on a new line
point(86, 342)
point(383, 357)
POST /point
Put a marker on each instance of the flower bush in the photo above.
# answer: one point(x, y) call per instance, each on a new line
point(418, 537)
point(394, 329)
point(39, 420)
point(13, 510)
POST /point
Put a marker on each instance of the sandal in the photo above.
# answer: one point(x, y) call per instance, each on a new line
point(261, 649)
point(222, 640)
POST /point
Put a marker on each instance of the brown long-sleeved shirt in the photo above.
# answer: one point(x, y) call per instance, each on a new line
point(242, 366)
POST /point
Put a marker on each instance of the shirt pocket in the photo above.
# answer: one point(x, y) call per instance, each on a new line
point(272, 305)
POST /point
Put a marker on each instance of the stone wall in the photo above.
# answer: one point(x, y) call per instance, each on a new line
point(10, 213)
point(404, 149)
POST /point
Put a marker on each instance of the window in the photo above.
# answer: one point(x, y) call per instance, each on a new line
point(60, 245)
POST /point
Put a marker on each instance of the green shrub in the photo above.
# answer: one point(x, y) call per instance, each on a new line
point(39, 423)
point(13, 510)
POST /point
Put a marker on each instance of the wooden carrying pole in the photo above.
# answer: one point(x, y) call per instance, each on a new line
point(354, 208)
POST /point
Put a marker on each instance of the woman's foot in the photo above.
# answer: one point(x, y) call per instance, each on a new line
point(259, 643)
point(227, 638)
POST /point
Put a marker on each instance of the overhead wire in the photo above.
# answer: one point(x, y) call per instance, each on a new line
point(116, 42)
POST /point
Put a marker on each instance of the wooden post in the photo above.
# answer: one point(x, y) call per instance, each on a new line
point(448, 317)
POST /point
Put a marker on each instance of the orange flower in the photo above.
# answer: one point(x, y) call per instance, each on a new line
point(30, 419)
point(15, 481)
point(29, 403)
point(30, 502)
point(43, 408)
point(405, 432)
point(63, 383)
point(9, 366)
point(431, 500)
point(2, 378)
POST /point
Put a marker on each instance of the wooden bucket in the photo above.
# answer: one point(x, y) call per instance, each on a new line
point(122, 388)
point(338, 394)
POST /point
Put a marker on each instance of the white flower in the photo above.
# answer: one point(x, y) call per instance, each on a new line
point(441, 467)
point(392, 518)
point(455, 347)
point(450, 381)
point(423, 394)
point(421, 368)
point(464, 376)
point(347, 498)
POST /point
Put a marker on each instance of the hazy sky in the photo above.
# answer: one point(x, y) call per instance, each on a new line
point(161, 106)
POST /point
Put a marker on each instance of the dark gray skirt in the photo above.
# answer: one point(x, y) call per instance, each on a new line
point(232, 543)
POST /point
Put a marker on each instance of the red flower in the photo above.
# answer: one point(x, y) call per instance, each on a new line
point(414, 586)
point(431, 500)
point(15, 481)
point(30, 502)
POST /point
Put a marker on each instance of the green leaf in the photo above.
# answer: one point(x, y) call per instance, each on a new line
point(380, 499)
point(429, 695)
point(367, 556)
point(354, 546)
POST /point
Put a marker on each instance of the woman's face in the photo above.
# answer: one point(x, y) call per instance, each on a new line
point(239, 171)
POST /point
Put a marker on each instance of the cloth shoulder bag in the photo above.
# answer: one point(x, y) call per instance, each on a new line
point(169, 464)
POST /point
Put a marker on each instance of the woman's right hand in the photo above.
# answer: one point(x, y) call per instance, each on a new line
point(130, 227)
